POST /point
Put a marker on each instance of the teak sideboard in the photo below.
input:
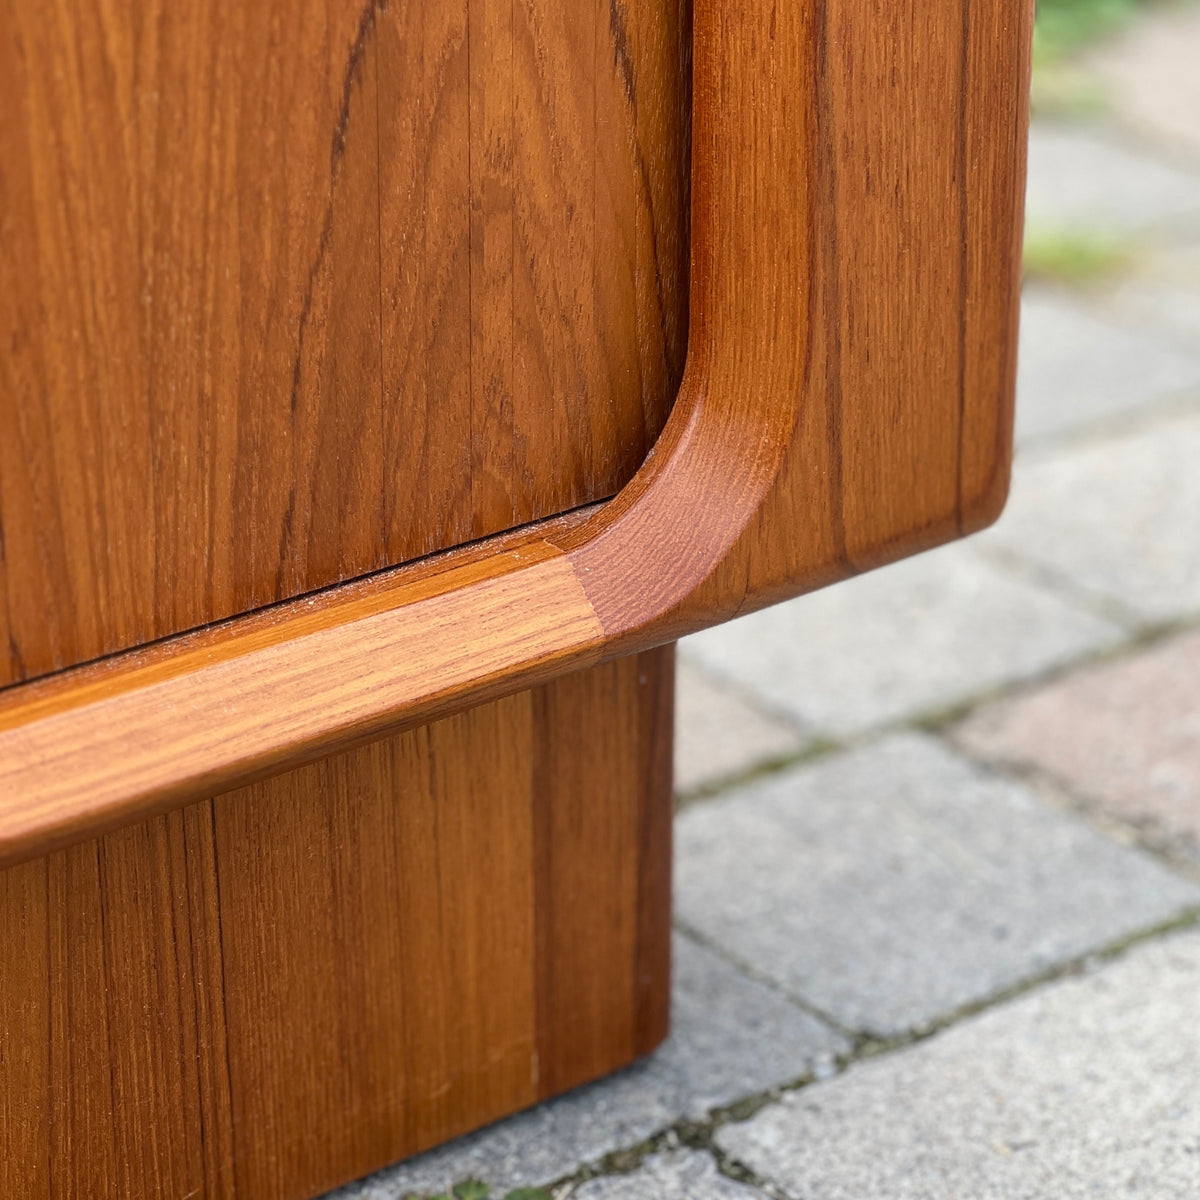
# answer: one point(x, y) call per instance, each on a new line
point(384, 386)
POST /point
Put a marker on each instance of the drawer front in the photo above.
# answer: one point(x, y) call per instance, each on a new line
point(294, 294)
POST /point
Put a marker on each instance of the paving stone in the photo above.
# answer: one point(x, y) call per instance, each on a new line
point(894, 884)
point(919, 636)
point(1125, 734)
point(1119, 516)
point(1076, 368)
point(719, 735)
point(679, 1175)
point(1161, 292)
point(1152, 78)
point(731, 1037)
point(1084, 178)
point(1083, 1089)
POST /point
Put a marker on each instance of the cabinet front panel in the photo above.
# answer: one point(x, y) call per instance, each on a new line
point(295, 292)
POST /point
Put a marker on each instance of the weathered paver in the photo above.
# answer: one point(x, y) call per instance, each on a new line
point(1152, 78)
point(1084, 179)
point(1077, 368)
point(913, 638)
point(731, 1037)
point(718, 735)
point(678, 1175)
point(1125, 734)
point(1161, 292)
point(1119, 516)
point(1083, 1089)
point(893, 885)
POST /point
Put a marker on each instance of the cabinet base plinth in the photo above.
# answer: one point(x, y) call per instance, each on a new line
point(272, 992)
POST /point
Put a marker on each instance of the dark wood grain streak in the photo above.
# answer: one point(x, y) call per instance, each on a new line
point(266, 994)
point(288, 300)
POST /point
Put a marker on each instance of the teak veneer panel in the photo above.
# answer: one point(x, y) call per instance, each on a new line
point(277, 990)
point(856, 226)
point(290, 295)
point(390, 931)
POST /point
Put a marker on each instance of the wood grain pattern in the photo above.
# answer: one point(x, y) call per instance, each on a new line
point(291, 297)
point(848, 399)
point(857, 214)
point(855, 240)
point(446, 640)
point(592, 855)
point(363, 947)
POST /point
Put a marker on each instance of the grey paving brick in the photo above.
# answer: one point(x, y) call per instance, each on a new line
point(1119, 516)
point(679, 1175)
point(719, 735)
point(731, 1037)
point(915, 637)
point(1076, 368)
point(1161, 292)
point(893, 885)
point(1125, 735)
point(1084, 178)
point(1083, 1089)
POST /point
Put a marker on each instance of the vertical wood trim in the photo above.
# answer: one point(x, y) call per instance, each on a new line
point(83, 1128)
point(208, 997)
point(586, 851)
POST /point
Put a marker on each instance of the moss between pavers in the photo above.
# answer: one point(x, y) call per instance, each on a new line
point(472, 1189)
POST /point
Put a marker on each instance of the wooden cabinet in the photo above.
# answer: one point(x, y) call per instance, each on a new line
point(353, 487)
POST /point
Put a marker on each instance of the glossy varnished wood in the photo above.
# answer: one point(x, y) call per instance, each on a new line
point(290, 296)
point(268, 993)
point(282, 696)
point(856, 226)
point(857, 216)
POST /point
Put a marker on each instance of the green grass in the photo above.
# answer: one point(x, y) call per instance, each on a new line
point(1063, 85)
point(1074, 257)
point(1064, 26)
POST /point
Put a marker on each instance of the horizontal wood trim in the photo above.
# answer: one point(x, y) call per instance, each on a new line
point(857, 208)
point(196, 723)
